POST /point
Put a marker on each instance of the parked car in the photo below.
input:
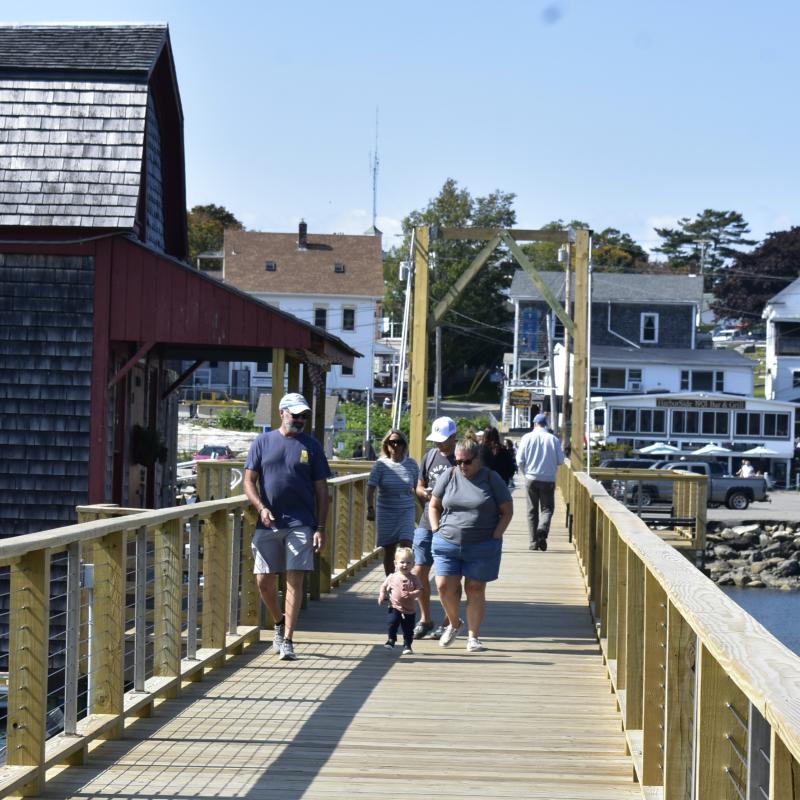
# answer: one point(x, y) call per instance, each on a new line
point(215, 452)
point(735, 493)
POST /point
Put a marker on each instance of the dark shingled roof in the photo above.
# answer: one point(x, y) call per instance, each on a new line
point(73, 110)
point(113, 49)
point(617, 287)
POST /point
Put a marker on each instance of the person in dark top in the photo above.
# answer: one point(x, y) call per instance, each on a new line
point(285, 480)
point(495, 456)
point(437, 460)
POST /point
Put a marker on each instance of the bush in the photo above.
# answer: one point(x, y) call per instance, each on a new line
point(234, 419)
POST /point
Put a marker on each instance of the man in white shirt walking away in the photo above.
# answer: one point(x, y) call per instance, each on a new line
point(538, 457)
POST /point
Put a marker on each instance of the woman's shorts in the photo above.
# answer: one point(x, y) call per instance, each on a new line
point(422, 547)
point(281, 549)
point(478, 561)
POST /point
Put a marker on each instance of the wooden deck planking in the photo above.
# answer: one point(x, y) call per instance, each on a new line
point(533, 717)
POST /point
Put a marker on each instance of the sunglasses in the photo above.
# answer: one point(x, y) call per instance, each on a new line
point(302, 415)
point(395, 443)
point(464, 461)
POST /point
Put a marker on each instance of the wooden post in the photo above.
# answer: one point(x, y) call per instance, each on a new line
point(611, 605)
point(621, 627)
point(602, 606)
point(679, 717)
point(108, 637)
point(319, 410)
point(655, 622)
point(634, 642)
point(27, 665)
point(784, 771)
point(293, 382)
point(168, 589)
point(359, 512)
point(278, 363)
point(216, 579)
point(419, 341)
point(341, 555)
point(251, 599)
point(581, 343)
point(722, 712)
point(326, 555)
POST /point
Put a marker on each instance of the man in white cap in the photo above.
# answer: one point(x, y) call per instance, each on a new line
point(285, 479)
point(538, 457)
point(436, 461)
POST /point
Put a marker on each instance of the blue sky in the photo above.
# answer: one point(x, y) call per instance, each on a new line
point(625, 113)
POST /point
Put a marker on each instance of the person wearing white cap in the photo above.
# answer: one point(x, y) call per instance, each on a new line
point(285, 479)
point(538, 457)
point(437, 460)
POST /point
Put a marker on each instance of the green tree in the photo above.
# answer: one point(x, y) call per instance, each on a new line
point(721, 233)
point(478, 329)
point(207, 228)
point(755, 277)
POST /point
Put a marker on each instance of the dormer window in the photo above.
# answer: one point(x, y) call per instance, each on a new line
point(270, 266)
point(338, 267)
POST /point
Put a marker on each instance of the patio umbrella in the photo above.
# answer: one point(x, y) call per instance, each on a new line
point(759, 452)
point(712, 450)
point(659, 449)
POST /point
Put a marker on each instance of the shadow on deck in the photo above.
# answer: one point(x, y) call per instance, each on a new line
point(533, 717)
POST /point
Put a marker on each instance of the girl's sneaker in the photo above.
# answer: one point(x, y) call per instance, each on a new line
point(475, 645)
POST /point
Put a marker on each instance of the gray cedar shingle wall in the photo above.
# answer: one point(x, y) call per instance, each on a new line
point(71, 152)
point(155, 191)
point(46, 331)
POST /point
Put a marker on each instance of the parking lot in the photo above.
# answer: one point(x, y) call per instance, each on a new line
point(784, 507)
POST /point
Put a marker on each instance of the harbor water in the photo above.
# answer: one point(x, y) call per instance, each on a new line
point(777, 611)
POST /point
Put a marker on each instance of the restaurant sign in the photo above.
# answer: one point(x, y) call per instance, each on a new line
point(520, 398)
point(664, 402)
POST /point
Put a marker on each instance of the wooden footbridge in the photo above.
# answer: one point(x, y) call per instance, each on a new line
point(614, 669)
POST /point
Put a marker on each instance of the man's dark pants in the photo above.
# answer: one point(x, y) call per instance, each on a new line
point(540, 493)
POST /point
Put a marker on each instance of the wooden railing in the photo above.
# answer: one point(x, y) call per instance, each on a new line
point(689, 497)
point(108, 615)
point(710, 700)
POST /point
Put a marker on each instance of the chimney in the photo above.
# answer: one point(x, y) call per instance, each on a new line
point(302, 235)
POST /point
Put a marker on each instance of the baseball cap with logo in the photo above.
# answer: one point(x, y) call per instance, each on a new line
point(442, 429)
point(294, 403)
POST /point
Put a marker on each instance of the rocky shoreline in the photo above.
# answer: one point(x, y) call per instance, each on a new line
point(756, 555)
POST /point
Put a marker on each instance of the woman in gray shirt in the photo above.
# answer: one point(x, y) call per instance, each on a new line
point(394, 477)
point(469, 512)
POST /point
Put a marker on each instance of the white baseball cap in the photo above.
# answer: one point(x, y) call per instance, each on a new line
point(442, 429)
point(294, 403)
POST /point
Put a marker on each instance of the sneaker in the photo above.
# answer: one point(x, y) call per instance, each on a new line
point(277, 641)
point(543, 543)
point(407, 651)
point(438, 631)
point(287, 651)
point(450, 633)
point(389, 644)
point(422, 629)
point(534, 546)
point(475, 645)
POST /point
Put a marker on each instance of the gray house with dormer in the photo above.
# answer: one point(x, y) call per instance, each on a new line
point(643, 337)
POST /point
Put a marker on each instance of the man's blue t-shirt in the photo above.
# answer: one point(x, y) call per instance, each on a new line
point(287, 468)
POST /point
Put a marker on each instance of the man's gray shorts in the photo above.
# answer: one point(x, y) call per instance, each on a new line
point(281, 549)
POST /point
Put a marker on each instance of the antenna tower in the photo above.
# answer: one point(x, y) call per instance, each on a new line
point(375, 163)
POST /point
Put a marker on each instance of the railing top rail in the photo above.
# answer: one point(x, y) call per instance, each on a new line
point(653, 474)
point(59, 538)
point(761, 666)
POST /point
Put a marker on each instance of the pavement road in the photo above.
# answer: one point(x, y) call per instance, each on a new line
point(784, 506)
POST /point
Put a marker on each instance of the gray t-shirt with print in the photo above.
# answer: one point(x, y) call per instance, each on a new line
point(470, 507)
point(434, 465)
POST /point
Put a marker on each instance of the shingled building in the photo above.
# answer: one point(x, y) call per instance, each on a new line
point(95, 297)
